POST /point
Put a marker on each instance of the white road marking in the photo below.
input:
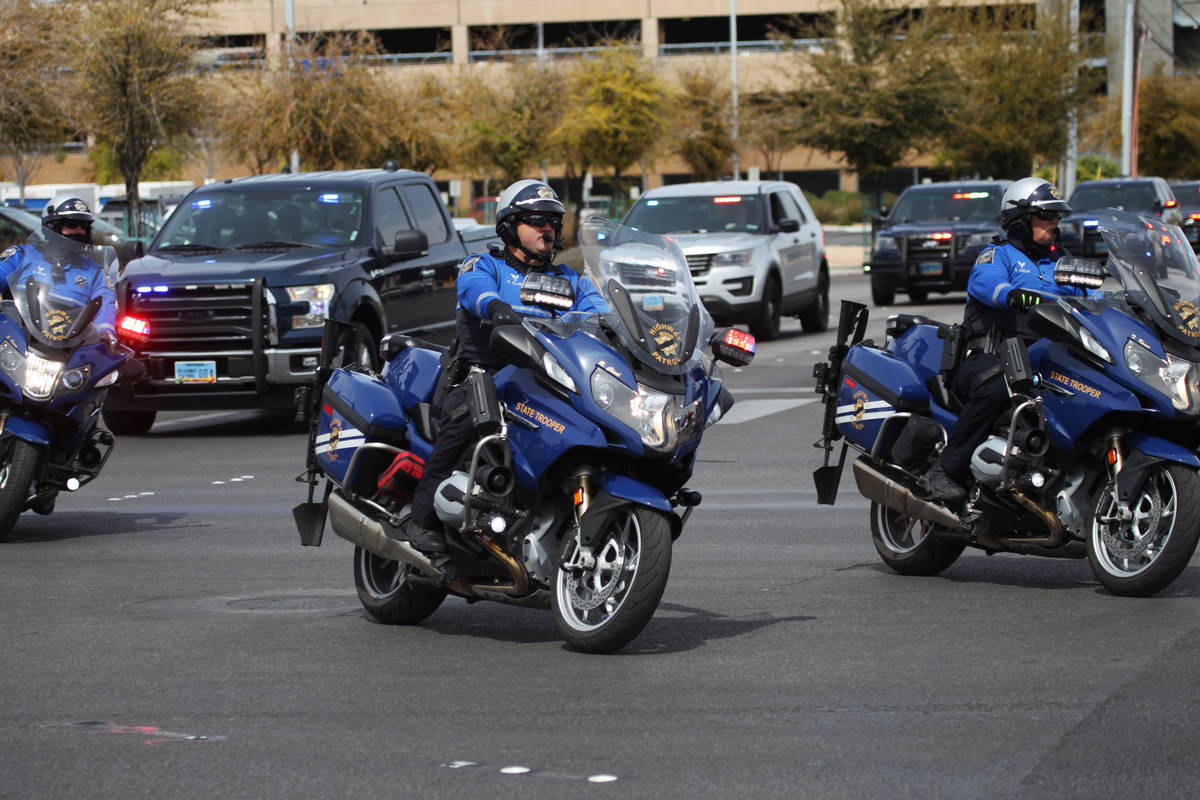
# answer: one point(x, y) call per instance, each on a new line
point(747, 410)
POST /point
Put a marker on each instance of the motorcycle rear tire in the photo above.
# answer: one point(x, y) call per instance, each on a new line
point(633, 560)
point(17, 468)
point(385, 591)
point(1143, 561)
point(908, 545)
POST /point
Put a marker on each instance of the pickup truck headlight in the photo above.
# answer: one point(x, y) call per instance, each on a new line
point(979, 240)
point(886, 243)
point(1173, 377)
point(317, 297)
point(659, 418)
point(741, 258)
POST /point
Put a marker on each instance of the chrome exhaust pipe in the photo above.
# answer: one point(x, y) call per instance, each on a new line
point(355, 526)
point(876, 486)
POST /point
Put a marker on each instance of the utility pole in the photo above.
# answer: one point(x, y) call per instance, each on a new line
point(1127, 92)
point(733, 51)
point(1067, 181)
point(289, 19)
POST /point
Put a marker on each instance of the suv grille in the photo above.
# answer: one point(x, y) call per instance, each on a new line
point(923, 245)
point(699, 264)
point(202, 318)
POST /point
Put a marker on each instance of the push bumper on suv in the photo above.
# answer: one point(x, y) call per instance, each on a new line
point(930, 261)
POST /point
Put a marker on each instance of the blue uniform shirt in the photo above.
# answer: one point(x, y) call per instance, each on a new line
point(1000, 268)
point(483, 278)
point(85, 279)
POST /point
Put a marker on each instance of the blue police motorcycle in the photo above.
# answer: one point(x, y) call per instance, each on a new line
point(1097, 456)
point(585, 442)
point(55, 370)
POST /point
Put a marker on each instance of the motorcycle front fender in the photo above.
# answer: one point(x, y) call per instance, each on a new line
point(30, 431)
point(620, 490)
point(1157, 447)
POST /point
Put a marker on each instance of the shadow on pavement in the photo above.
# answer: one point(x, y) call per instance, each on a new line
point(61, 525)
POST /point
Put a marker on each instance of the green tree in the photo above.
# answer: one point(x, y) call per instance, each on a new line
point(612, 119)
point(1168, 119)
point(1016, 88)
point(703, 134)
point(136, 86)
point(419, 131)
point(771, 121)
point(33, 121)
point(508, 122)
point(880, 90)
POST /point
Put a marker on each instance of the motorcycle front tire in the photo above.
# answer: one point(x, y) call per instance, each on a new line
point(601, 608)
point(17, 468)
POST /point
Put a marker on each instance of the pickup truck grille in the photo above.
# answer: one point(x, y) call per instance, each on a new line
point(201, 318)
point(924, 246)
point(699, 264)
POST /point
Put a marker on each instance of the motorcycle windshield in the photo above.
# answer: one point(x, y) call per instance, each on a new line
point(644, 277)
point(51, 288)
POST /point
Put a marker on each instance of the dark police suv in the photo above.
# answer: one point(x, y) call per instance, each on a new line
point(929, 241)
point(226, 308)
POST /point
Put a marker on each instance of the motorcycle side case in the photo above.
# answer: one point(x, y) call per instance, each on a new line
point(355, 409)
point(875, 385)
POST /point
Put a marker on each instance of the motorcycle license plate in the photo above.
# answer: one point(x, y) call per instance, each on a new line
point(931, 268)
point(195, 372)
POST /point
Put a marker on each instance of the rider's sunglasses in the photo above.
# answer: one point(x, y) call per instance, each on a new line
point(72, 226)
point(538, 220)
point(1048, 216)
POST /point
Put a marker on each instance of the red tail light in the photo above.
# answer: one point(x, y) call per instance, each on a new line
point(133, 327)
point(739, 339)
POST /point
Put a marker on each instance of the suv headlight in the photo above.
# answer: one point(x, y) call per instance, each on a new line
point(317, 297)
point(1173, 377)
point(741, 258)
point(979, 239)
point(886, 242)
point(659, 418)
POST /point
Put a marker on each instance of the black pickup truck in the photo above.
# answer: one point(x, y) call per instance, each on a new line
point(226, 307)
point(929, 241)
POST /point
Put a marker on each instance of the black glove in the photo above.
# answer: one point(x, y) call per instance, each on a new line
point(501, 313)
point(1023, 299)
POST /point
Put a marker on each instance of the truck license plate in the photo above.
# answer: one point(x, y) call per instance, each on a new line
point(931, 268)
point(195, 372)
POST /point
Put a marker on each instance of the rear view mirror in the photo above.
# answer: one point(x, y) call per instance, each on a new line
point(789, 225)
point(409, 245)
point(733, 347)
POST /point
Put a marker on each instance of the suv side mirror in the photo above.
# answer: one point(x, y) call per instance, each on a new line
point(409, 245)
point(789, 225)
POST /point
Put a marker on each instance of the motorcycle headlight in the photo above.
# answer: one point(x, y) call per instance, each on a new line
point(557, 374)
point(75, 378)
point(317, 297)
point(11, 360)
point(41, 375)
point(1172, 376)
point(659, 418)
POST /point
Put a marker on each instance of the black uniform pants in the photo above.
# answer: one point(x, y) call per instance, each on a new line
point(455, 431)
point(981, 385)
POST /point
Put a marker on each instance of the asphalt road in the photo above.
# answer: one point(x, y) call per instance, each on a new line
point(165, 635)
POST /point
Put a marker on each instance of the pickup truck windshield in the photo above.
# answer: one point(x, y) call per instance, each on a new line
point(268, 219)
point(1134, 196)
point(703, 214)
point(965, 204)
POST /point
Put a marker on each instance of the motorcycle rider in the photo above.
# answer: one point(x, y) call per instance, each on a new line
point(529, 222)
point(56, 254)
point(1009, 277)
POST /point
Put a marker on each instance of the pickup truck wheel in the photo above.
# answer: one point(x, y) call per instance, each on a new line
point(766, 327)
point(917, 295)
point(366, 350)
point(815, 318)
point(881, 296)
point(129, 423)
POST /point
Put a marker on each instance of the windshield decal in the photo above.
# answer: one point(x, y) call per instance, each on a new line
point(666, 339)
point(1189, 318)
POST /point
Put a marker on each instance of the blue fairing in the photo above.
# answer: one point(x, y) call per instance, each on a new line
point(413, 375)
point(1069, 417)
point(1157, 447)
point(559, 426)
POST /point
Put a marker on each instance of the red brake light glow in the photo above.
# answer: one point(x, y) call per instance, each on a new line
point(942, 237)
point(1172, 203)
point(739, 339)
point(730, 199)
point(134, 326)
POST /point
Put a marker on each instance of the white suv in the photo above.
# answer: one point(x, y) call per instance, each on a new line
point(755, 249)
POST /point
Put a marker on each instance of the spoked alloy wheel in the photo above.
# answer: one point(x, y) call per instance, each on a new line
point(601, 604)
point(907, 544)
point(18, 463)
point(1137, 549)
point(385, 591)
